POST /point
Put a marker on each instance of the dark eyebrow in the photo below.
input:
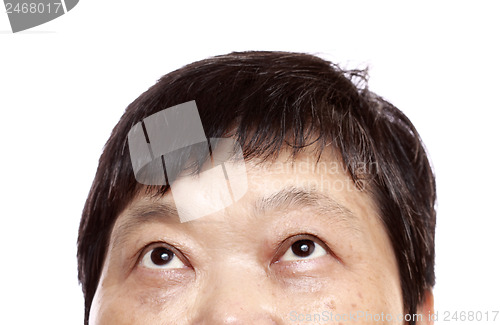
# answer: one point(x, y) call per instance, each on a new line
point(153, 209)
point(297, 197)
point(145, 212)
point(288, 198)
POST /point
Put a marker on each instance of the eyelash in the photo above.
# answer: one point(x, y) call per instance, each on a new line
point(281, 248)
point(151, 246)
point(287, 243)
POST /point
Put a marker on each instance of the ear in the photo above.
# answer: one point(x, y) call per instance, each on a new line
point(426, 309)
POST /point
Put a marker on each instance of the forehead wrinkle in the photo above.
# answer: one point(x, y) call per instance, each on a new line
point(141, 214)
point(296, 197)
point(287, 198)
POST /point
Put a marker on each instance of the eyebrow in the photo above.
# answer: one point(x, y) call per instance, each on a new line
point(288, 198)
point(297, 197)
point(143, 213)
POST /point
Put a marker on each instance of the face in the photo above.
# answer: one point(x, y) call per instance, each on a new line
point(301, 246)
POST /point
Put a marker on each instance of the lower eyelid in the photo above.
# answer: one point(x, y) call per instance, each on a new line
point(168, 279)
point(301, 268)
point(290, 240)
point(317, 249)
point(147, 249)
point(178, 263)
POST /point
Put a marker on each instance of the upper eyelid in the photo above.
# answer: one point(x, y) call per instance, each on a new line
point(152, 245)
point(279, 248)
point(289, 198)
point(286, 244)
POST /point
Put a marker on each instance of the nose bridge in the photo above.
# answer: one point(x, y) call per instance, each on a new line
point(234, 294)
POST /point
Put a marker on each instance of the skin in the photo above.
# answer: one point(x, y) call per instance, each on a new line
point(237, 265)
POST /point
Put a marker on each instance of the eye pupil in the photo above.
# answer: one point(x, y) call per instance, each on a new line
point(303, 248)
point(161, 256)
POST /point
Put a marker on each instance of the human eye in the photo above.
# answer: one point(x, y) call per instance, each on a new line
point(162, 256)
point(302, 247)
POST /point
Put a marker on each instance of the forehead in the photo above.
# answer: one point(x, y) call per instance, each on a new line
point(285, 196)
point(283, 183)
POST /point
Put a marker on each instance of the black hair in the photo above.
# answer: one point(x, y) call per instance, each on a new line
point(272, 101)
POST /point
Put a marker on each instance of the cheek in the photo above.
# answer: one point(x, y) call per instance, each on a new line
point(370, 294)
point(371, 288)
point(117, 306)
point(135, 302)
point(306, 295)
point(109, 308)
point(340, 305)
point(337, 295)
point(329, 300)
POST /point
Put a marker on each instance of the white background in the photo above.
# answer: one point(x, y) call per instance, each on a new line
point(64, 85)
